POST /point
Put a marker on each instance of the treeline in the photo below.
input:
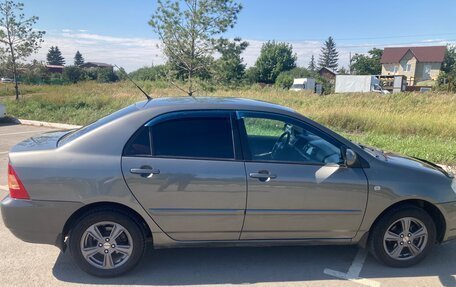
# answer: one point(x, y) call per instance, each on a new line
point(192, 34)
point(38, 72)
point(276, 65)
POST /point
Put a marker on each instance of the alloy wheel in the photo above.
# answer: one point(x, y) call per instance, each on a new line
point(106, 245)
point(405, 239)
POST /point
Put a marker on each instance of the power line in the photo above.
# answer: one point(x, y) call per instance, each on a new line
point(395, 44)
point(379, 38)
point(393, 37)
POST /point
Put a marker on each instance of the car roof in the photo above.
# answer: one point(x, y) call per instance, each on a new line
point(190, 103)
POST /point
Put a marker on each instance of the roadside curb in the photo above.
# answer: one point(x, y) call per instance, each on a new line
point(45, 124)
point(448, 167)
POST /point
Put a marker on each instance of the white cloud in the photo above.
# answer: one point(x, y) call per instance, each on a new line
point(132, 52)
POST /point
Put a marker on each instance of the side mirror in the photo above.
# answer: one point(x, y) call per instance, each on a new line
point(350, 157)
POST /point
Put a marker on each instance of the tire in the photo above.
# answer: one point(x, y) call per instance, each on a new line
point(383, 244)
point(92, 232)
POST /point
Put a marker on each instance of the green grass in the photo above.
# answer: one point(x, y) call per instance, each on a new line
point(415, 124)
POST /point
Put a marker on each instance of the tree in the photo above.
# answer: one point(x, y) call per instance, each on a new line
point(329, 55)
point(189, 34)
point(343, 71)
point(54, 56)
point(274, 58)
point(229, 68)
point(367, 64)
point(17, 35)
point(449, 62)
point(34, 73)
point(312, 66)
point(78, 59)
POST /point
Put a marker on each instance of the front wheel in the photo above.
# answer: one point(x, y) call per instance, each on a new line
point(403, 237)
point(107, 243)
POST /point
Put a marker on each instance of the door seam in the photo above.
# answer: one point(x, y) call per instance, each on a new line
point(246, 201)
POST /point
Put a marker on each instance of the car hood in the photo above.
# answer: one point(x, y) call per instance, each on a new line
point(44, 141)
point(415, 163)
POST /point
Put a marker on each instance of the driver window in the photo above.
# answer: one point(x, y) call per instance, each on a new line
point(276, 138)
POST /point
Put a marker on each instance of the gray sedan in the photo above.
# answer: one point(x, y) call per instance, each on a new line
point(176, 172)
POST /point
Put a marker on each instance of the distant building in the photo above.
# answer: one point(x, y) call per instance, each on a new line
point(328, 74)
point(416, 63)
point(89, 65)
point(55, 68)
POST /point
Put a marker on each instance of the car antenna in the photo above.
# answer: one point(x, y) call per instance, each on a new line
point(131, 80)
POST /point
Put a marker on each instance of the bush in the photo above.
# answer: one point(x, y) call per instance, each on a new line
point(72, 74)
point(446, 81)
point(284, 80)
point(251, 75)
point(153, 73)
point(106, 76)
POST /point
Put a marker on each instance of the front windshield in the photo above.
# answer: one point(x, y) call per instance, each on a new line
point(72, 135)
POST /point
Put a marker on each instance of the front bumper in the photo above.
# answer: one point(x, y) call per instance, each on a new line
point(37, 221)
point(449, 211)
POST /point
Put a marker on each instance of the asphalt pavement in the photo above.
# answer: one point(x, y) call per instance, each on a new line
point(25, 264)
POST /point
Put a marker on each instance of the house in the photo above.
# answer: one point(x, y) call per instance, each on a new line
point(55, 68)
point(328, 74)
point(416, 63)
point(89, 65)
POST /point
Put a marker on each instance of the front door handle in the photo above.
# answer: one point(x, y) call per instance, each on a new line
point(262, 175)
point(145, 171)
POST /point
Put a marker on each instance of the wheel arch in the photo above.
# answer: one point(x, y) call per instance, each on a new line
point(72, 220)
point(431, 209)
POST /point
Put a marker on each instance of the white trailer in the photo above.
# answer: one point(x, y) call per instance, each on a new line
point(301, 84)
point(358, 84)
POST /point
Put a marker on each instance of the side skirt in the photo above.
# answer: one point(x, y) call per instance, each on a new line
point(258, 243)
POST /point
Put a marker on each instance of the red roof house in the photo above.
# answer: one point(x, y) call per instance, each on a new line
point(416, 63)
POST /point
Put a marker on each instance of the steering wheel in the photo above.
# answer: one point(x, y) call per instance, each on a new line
point(279, 145)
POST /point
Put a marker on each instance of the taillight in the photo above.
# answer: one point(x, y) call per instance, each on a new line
point(16, 188)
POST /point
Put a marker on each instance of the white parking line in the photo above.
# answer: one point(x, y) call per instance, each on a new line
point(4, 187)
point(354, 271)
point(27, 132)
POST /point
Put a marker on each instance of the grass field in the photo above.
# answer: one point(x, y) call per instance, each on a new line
point(422, 125)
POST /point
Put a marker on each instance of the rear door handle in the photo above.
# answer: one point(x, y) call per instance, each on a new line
point(145, 172)
point(262, 175)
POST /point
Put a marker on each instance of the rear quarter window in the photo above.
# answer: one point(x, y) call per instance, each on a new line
point(88, 128)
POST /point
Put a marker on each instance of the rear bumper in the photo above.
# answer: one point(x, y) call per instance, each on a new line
point(37, 221)
point(449, 211)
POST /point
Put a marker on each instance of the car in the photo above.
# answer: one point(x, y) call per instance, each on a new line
point(208, 171)
point(6, 80)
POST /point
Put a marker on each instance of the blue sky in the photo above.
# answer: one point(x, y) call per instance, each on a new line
point(116, 31)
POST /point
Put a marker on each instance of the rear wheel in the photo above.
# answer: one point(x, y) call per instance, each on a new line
point(107, 243)
point(403, 237)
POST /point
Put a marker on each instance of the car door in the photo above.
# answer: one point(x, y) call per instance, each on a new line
point(183, 167)
point(298, 186)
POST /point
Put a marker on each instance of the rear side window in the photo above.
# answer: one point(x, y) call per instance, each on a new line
point(184, 136)
point(193, 137)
